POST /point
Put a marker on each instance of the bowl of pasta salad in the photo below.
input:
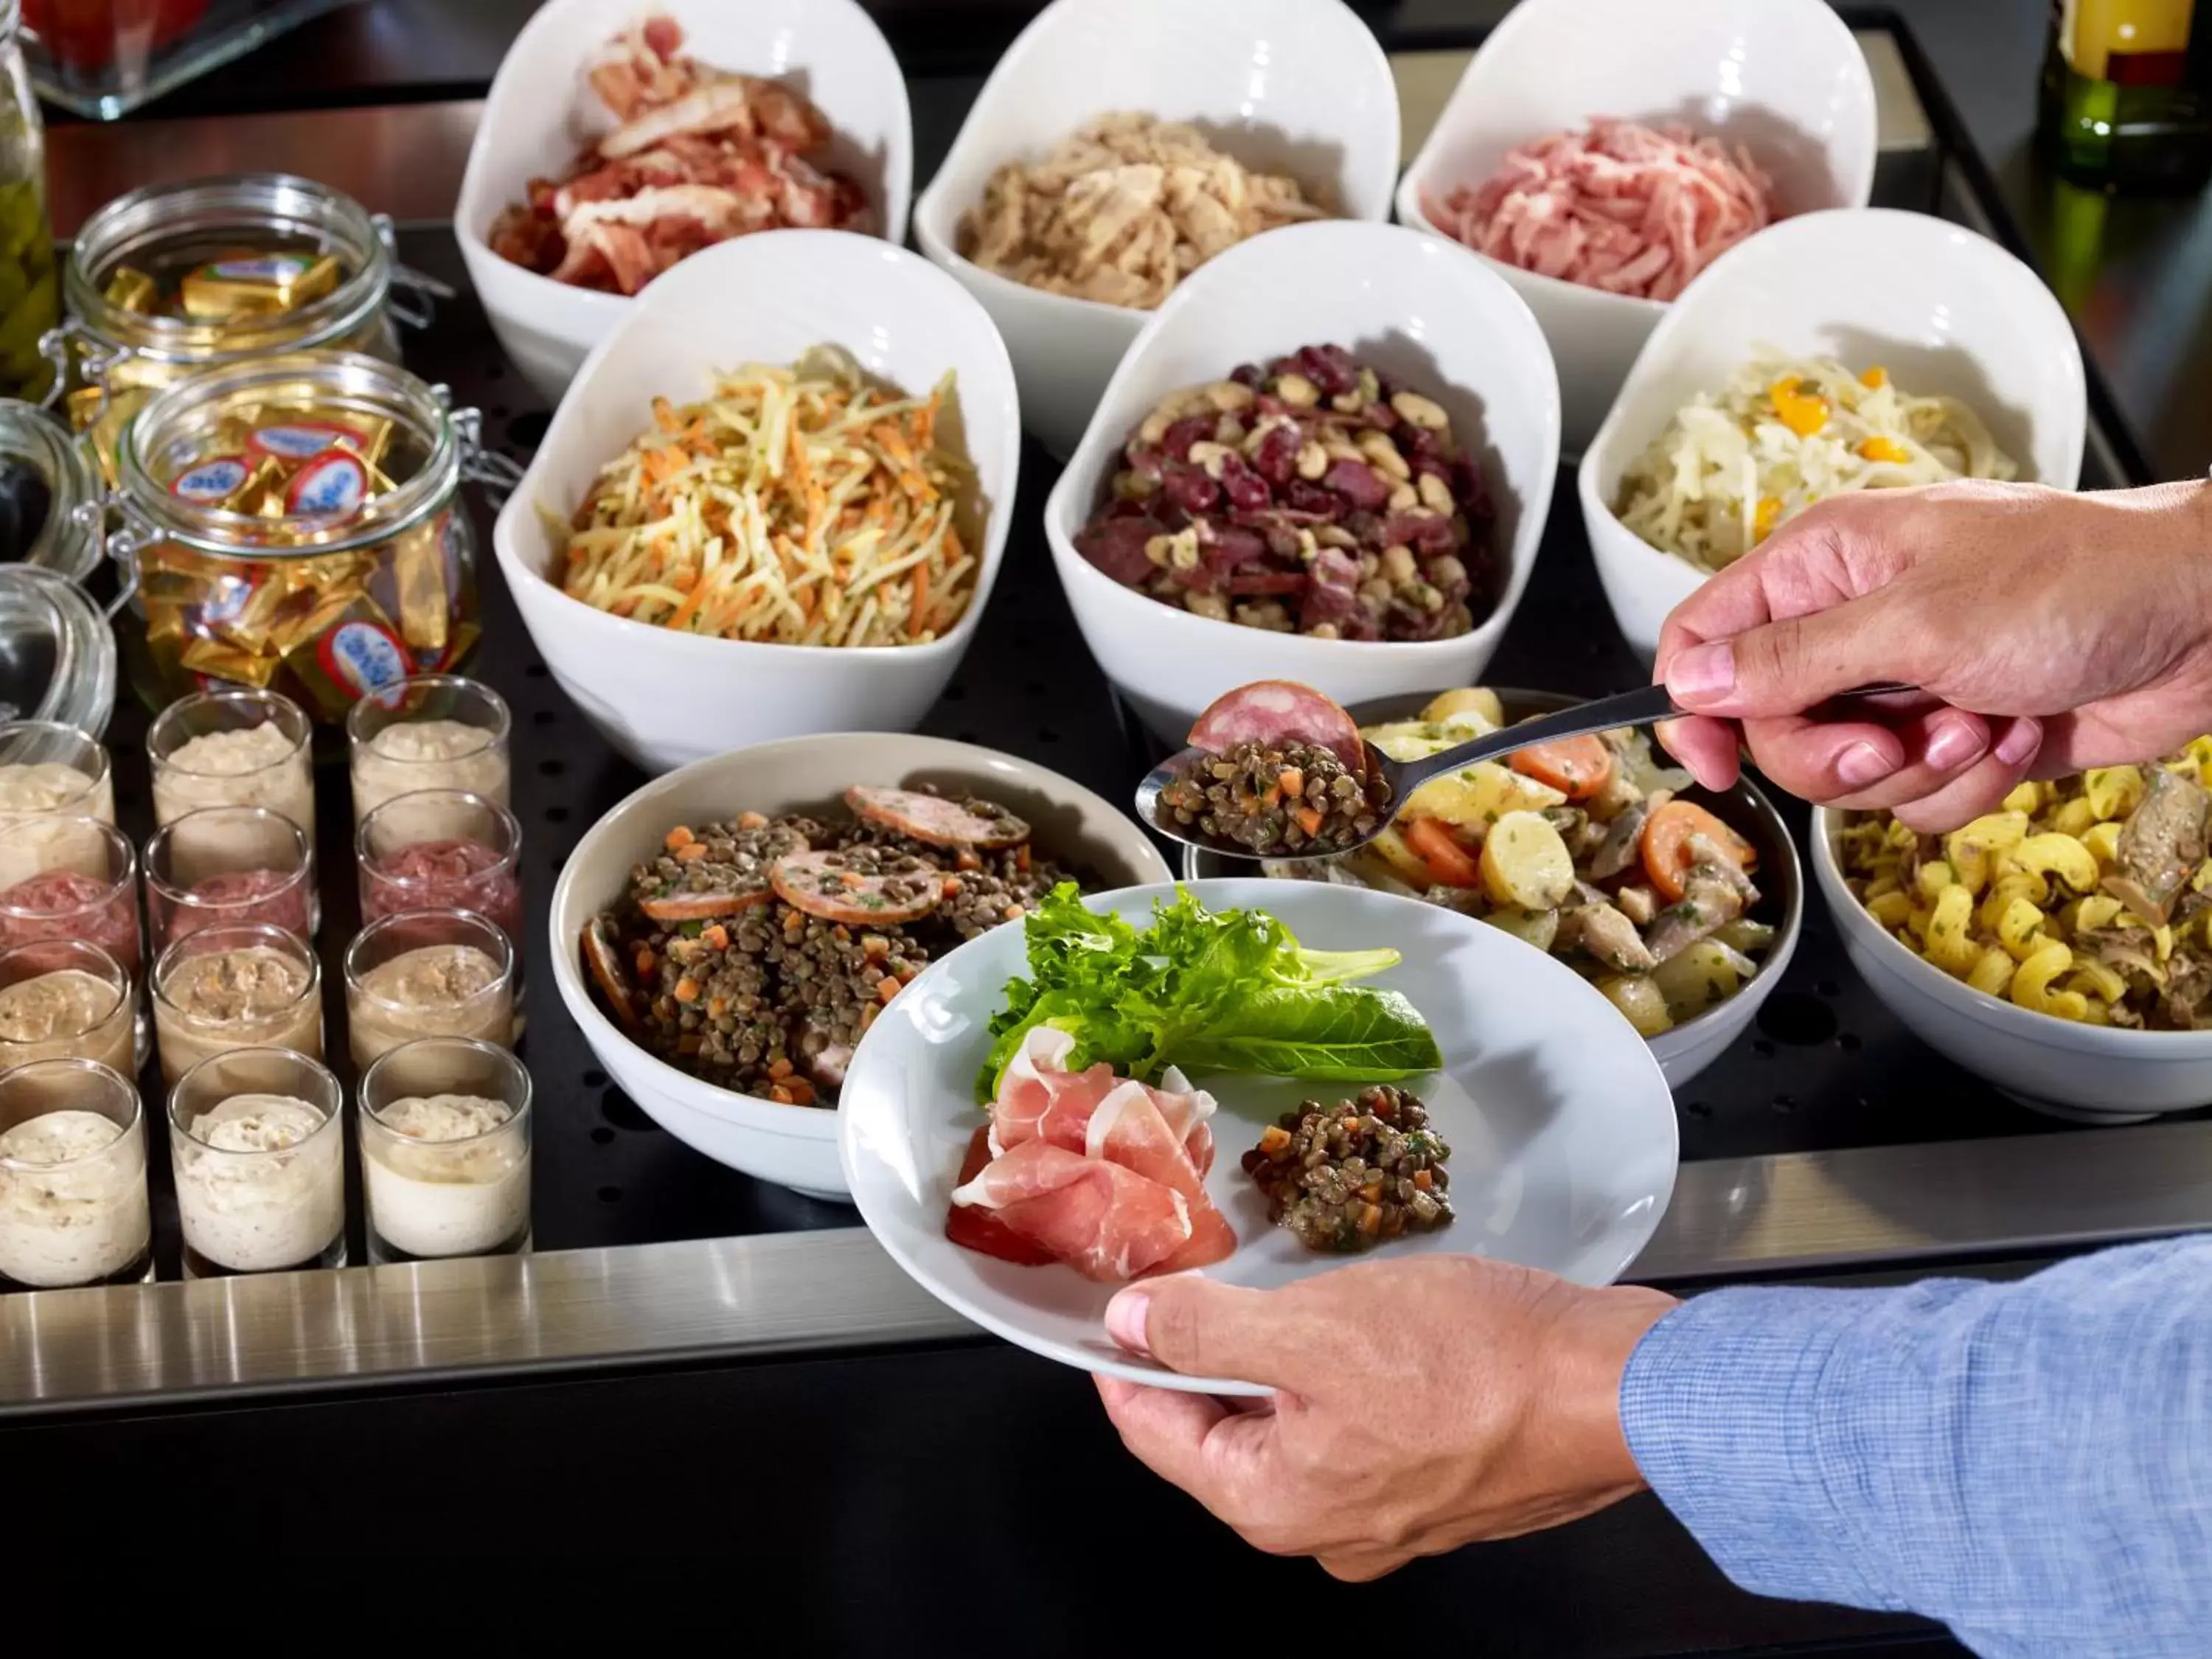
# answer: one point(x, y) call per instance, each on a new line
point(1682, 905)
point(2060, 947)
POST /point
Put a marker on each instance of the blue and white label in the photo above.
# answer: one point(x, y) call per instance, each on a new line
point(262, 268)
point(332, 484)
point(297, 443)
point(229, 604)
point(362, 658)
point(212, 482)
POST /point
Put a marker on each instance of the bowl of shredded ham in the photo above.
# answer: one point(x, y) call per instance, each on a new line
point(1600, 183)
point(1826, 356)
point(774, 501)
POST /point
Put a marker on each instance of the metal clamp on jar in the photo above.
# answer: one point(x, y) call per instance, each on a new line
point(173, 278)
point(292, 522)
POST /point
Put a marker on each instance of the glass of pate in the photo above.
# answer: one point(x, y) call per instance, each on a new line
point(229, 864)
point(428, 972)
point(235, 748)
point(247, 985)
point(445, 1150)
point(441, 849)
point(50, 772)
point(89, 890)
point(73, 1204)
point(66, 999)
point(431, 731)
point(258, 1156)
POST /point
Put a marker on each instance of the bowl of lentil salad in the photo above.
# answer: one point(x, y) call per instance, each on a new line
point(737, 1095)
point(1688, 1045)
point(664, 696)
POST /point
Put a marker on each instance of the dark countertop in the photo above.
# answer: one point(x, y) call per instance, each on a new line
point(2136, 274)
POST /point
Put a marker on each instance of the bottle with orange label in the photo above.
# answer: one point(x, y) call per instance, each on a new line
point(2127, 94)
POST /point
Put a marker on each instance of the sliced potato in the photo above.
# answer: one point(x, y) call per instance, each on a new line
point(1405, 741)
point(1526, 864)
point(1479, 701)
point(1642, 1001)
point(1745, 935)
point(1474, 800)
point(1536, 928)
point(1693, 979)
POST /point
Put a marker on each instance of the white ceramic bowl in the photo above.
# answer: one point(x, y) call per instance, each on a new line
point(796, 1145)
point(1783, 77)
point(1696, 1043)
point(1942, 309)
point(2090, 1073)
point(1410, 305)
point(542, 110)
point(1293, 86)
point(664, 698)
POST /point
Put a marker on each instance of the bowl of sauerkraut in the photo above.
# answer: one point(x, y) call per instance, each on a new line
point(1828, 355)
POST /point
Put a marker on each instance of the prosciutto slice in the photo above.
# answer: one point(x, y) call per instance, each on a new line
point(1044, 1192)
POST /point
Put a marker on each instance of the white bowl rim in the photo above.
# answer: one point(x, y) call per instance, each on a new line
point(1408, 196)
point(944, 252)
point(1956, 996)
point(1058, 504)
point(812, 1123)
point(1816, 222)
point(522, 501)
point(467, 208)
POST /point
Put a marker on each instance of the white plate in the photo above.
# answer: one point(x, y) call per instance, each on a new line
point(1561, 1129)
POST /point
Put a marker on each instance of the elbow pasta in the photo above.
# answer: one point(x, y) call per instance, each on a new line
point(2029, 903)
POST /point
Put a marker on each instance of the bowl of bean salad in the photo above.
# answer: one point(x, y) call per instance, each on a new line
point(726, 936)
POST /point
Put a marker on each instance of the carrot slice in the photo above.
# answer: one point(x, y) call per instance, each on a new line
point(1449, 863)
point(1576, 766)
point(1666, 847)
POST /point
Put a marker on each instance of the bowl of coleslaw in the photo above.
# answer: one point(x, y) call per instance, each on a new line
point(685, 426)
point(1861, 348)
point(1771, 95)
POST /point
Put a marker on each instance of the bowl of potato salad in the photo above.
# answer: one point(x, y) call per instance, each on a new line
point(1682, 905)
point(2060, 947)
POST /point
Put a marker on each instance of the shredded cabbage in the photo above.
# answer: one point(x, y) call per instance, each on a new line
point(1788, 432)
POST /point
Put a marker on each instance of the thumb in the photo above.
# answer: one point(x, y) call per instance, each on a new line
point(1201, 1328)
point(1785, 667)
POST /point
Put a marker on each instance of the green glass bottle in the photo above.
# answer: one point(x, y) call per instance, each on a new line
point(2127, 94)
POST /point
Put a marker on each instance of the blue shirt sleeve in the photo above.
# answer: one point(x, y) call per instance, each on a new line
point(2030, 1463)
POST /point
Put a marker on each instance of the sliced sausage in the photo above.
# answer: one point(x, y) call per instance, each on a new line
point(826, 885)
point(707, 905)
point(1280, 711)
point(605, 965)
point(933, 819)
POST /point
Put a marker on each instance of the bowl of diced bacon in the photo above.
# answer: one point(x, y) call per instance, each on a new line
point(1561, 1130)
point(670, 182)
point(1779, 84)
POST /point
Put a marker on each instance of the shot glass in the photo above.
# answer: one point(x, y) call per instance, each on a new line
point(441, 849)
point(90, 892)
point(73, 1204)
point(224, 865)
point(66, 999)
point(236, 748)
point(48, 771)
point(258, 1154)
point(245, 986)
point(432, 732)
point(428, 972)
point(445, 1150)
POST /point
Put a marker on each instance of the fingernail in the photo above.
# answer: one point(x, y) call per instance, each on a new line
point(1862, 764)
point(1953, 743)
point(1702, 672)
point(2018, 744)
point(1125, 1320)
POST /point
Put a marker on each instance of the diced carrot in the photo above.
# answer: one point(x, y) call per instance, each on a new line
point(887, 988)
point(782, 1095)
point(875, 947)
point(1308, 819)
point(800, 1091)
point(1424, 1179)
point(853, 880)
point(1576, 766)
point(1372, 1192)
point(967, 861)
point(1432, 842)
point(1022, 858)
point(691, 852)
point(751, 821)
point(1666, 844)
point(716, 935)
point(645, 960)
point(677, 837)
point(1291, 781)
point(1885, 449)
point(1015, 913)
point(1371, 1218)
point(779, 1068)
point(687, 989)
point(1273, 1139)
point(951, 888)
point(717, 1007)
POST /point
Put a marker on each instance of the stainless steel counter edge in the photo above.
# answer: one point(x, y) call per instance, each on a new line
point(804, 1293)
